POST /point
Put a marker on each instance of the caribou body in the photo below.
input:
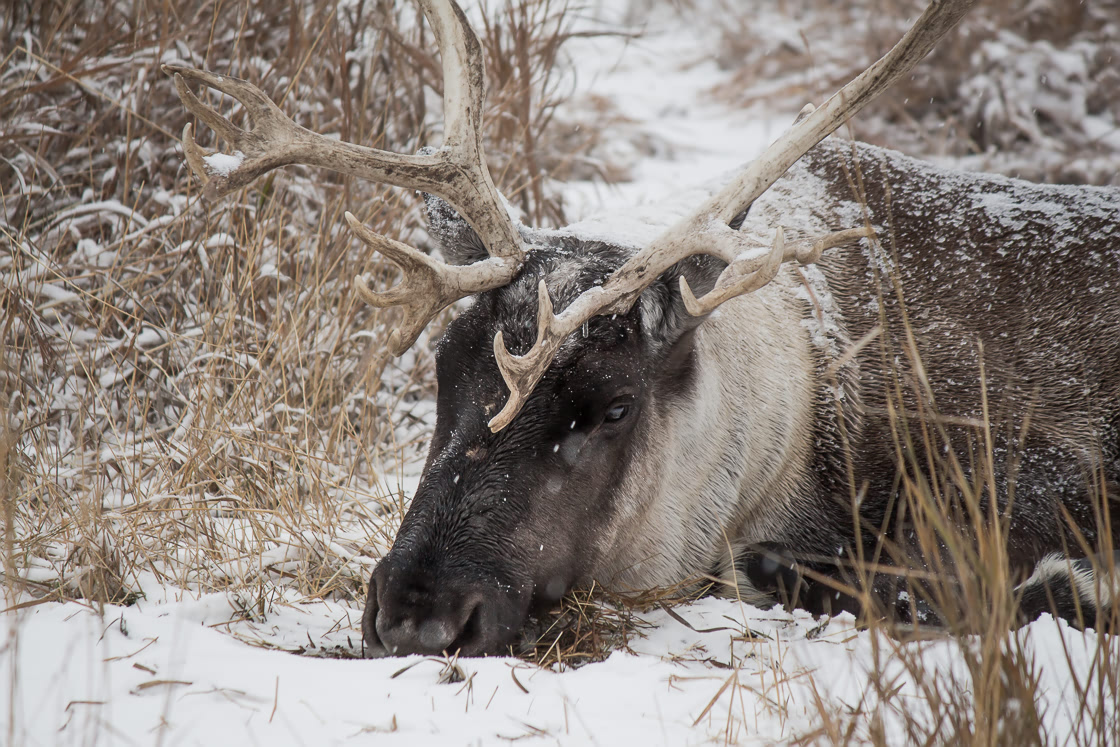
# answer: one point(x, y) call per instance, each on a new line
point(599, 420)
point(659, 446)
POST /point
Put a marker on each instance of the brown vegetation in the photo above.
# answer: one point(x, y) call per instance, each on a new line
point(197, 396)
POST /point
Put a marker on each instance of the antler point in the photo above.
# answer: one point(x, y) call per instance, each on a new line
point(501, 354)
point(394, 344)
point(691, 304)
point(507, 414)
point(806, 110)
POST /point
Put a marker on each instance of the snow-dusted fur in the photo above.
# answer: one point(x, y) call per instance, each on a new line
point(982, 300)
point(1074, 588)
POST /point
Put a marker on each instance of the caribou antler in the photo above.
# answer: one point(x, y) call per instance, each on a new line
point(456, 172)
point(707, 231)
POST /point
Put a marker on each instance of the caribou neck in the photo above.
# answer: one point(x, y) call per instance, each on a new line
point(724, 473)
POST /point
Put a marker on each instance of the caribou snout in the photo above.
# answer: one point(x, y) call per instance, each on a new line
point(410, 611)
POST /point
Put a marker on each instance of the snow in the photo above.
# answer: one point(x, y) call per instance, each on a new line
point(660, 81)
point(178, 671)
point(223, 164)
point(186, 668)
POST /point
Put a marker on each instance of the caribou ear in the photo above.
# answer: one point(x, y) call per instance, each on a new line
point(457, 241)
point(665, 320)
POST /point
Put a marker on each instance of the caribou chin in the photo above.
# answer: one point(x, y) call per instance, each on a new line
point(596, 421)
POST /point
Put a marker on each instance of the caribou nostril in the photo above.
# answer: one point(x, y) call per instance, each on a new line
point(471, 631)
point(372, 645)
point(399, 636)
point(401, 624)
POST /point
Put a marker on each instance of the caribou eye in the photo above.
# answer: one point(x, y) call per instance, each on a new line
point(617, 412)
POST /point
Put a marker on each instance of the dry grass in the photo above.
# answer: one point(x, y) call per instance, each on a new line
point(524, 49)
point(197, 399)
point(588, 624)
point(991, 696)
point(959, 508)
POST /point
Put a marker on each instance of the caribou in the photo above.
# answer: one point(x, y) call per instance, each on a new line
point(726, 400)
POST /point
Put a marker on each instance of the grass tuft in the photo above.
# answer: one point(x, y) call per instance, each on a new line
point(588, 624)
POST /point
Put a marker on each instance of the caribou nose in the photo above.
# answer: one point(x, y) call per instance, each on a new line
point(437, 635)
point(455, 630)
point(404, 619)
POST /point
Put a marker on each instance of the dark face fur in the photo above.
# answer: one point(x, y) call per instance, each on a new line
point(505, 522)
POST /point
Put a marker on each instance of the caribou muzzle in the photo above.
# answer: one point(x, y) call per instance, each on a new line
point(411, 611)
point(406, 614)
point(448, 585)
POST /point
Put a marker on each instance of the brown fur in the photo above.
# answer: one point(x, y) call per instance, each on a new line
point(748, 430)
point(969, 270)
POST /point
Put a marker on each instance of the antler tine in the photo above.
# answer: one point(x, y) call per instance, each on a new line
point(196, 157)
point(457, 172)
point(428, 287)
point(521, 373)
point(810, 128)
point(706, 230)
point(748, 275)
point(464, 87)
point(273, 142)
point(276, 140)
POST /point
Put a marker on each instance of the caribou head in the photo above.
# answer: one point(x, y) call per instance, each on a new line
point(573, 362)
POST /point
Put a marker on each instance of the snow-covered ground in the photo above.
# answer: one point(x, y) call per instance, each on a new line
point(176, 673)
point(173, 669)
